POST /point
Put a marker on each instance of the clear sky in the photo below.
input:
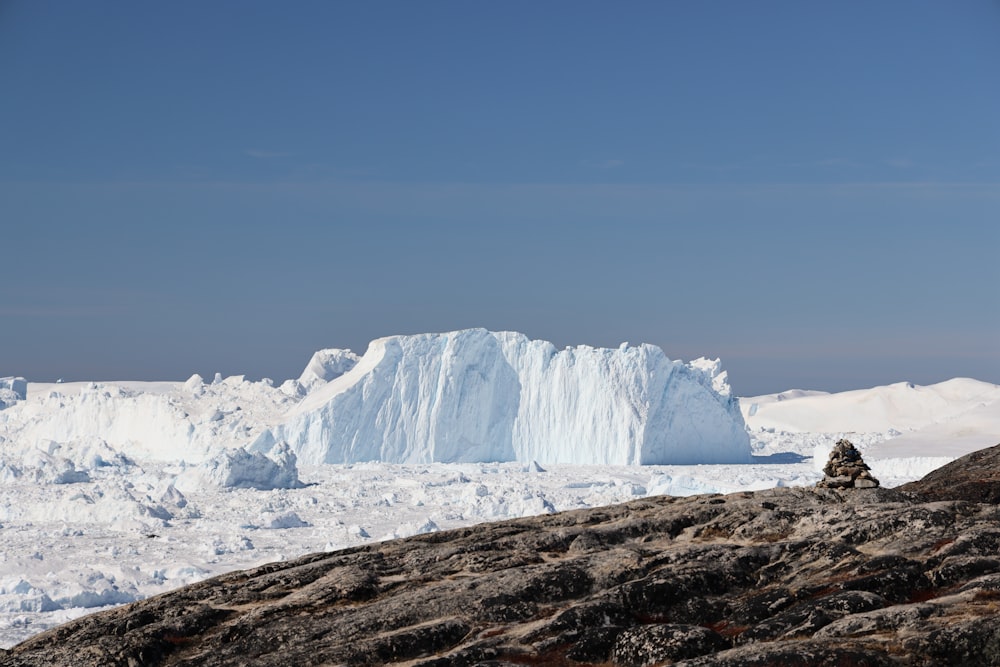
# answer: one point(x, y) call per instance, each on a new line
point(810, 191)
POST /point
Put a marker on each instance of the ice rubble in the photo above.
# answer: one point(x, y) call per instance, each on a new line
point(166, 421)
point(476, 395)
point(240, 469)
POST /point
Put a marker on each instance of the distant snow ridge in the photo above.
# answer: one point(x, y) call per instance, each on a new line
point(476, 395)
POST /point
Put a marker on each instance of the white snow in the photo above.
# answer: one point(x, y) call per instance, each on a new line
point(902, 406)
point(113, 492)
point(476, 395)
point(166, 421)
point(327, 365)
point(921, 427)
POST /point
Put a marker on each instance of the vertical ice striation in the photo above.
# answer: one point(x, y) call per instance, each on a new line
point(476, 395)
point(411, 399)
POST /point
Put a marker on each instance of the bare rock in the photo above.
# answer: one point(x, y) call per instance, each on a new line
point(656, 643)
point(974, 477)
point(795, 654)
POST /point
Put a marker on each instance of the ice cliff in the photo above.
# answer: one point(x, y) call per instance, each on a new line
point(476, 395)
point(12, 389)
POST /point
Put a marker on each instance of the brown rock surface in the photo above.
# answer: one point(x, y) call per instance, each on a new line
point(790, 576)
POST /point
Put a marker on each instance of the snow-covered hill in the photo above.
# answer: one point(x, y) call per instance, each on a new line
point(476, 395)
point(950, 418)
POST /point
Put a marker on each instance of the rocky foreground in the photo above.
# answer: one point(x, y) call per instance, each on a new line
point(794, 576)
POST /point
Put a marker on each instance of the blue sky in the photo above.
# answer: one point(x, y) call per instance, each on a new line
point(810, 191)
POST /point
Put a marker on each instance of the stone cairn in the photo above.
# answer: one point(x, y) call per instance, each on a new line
point(846, 469)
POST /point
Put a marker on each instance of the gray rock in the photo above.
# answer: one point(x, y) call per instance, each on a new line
point(974, 477)
point(656, 643)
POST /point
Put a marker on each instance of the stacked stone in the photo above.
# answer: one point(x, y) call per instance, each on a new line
point(846, 469)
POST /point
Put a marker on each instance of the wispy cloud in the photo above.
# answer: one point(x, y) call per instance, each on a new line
point(612, 163)
point(264, 155)
point(836, 162)
point(56, 311)
point(720, 167)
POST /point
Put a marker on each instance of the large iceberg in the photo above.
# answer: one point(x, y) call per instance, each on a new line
point(476, 396)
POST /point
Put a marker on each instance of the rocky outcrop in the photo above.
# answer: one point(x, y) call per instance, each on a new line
point(974, 477)
point(789, 576)
point(846, 469)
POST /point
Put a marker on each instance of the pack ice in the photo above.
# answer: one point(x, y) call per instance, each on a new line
point(477, 396)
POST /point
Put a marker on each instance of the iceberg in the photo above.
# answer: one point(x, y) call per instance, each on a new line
point(240, 469)
point(481, 396)
point(16, 385)
point(12, 390)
